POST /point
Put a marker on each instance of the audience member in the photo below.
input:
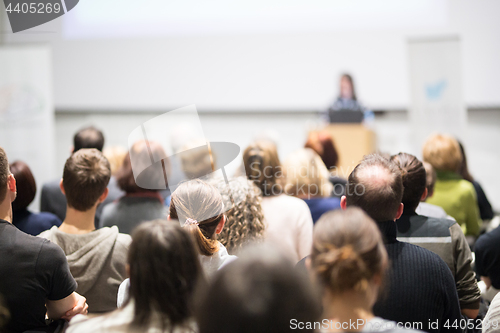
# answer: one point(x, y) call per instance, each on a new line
point(288, 220)
point(52, 200)
point(96, 258)
point(115, 155)
point(485, 210)
point(22, 218)
point(487, 260)
point(491, 323)
point(34, 275)
point(421, 288)
point(350, 262)
point(307, 179)
point(441, 236)
point(322, 144)
point(164, 273)
point(454, 194)
point(245, 220)
point(139, 204)
point(260, 292)
point(425, 208)
point(198, 207)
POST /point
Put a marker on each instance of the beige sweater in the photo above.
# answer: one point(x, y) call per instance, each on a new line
point(289, 225)
point(97, 262)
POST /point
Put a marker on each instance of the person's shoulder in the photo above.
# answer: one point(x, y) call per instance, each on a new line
point(420, 254)
point(489, 239)
point(51, 185)
point(47, 234)
point(438, 222)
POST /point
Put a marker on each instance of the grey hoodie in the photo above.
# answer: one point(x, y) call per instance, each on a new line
point(97, 262)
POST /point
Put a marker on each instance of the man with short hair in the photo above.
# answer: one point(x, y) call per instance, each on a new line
point(439, 235)
point(52, 200)
point(34, 274)
point(97, 258)
point(420, 286)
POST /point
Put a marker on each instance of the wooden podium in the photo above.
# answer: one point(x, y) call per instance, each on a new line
point(352, 142)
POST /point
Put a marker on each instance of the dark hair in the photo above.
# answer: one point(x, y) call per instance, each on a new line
point(4, 173)
point(164, 273)
point(348, 251)
point(414, 179)
point(259, 292)
point(25, 184)
point(141, 175)
point(202, 202)
point(322, 144)
point(263, 167)
point(375, 185)
point(86, 175)
point(351, 81)
point(464, 170)
point(88, 137)
point(431, 177)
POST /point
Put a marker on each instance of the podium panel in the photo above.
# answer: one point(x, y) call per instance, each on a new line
point(352, 142)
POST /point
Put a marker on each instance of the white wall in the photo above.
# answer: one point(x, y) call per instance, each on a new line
point(266, 71)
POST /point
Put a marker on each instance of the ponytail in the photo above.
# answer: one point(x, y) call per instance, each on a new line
point(198, 207)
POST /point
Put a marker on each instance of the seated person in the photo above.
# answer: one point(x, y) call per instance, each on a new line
point(199, 209)
point(260, 292)
point(425, 208)
point(139, 204)
point(97, 258)
point(163, 280)
point(288, 220)
point(322, 144)
point(52, 200)
point(34, 275)
point(491, 322)
point(350, 262)
point(487, 255)
point(454, 194)
point(485, 210)
point(307, 179)
point(23, 219)
point(245, 220)
point(441, 236)
point(414, 294)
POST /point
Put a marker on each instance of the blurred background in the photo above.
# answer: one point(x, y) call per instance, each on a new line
point(255, 69)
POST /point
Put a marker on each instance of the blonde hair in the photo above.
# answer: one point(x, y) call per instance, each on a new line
point(442, 152)
point(245, 220)
point(201, 202)
point(263, 167)
point(306, 174)
point(116, 156)
point(348, 251)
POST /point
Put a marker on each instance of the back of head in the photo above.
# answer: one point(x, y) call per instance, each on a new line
point(348, 251)
point(245, 220)
point(88, 137)
point(137, 168)
point(116, 156)
point(464, 169)
point(164, 272)
point(198, 205)
point(322, 144)
point(375, 185)
point(196, 159)
point(414, 179)
point(86, 175)
point(260, 292)
point(431, 177)
point(442, 152)
point(4, 173)
point(306, 175)
point(263, 167)
point(25, 184)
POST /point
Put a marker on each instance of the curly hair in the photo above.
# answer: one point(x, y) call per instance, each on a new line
point(245, 220)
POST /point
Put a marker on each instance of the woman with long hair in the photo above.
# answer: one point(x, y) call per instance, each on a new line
point(164, 274)
point(288, 219)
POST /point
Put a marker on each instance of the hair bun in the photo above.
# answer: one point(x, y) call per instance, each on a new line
point(342, 269)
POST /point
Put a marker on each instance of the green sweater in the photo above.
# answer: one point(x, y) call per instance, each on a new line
point(458, 198)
